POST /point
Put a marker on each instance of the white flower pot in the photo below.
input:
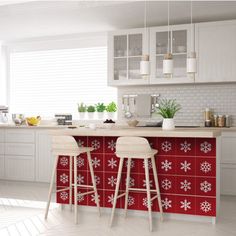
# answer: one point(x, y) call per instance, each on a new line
point(90, 115)
point(168, 124)
point(100, 115)
point(111, 115)
point(82, 115)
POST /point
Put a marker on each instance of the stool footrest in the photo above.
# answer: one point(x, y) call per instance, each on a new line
point(83, 186)
point(64, 189)
point(86, 193)
point(121, 195)
point(156, 196)
point(142, 189)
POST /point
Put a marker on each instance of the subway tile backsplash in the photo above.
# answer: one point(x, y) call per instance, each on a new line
point(221, 98)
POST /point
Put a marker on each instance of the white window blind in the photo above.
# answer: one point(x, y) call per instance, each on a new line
point(54, 81)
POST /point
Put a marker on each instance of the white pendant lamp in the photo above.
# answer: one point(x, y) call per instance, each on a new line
point(192, 59)
point(168, 58)
point(145, 63)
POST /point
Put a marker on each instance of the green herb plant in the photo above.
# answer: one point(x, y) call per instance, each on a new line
point(91, 108)
point(82, 107)
point(168, 108)
point(100, 107)
point(111, 107)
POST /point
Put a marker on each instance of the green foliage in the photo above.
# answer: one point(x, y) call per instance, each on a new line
point(91, 108)
point(82, 107)
point(168, 108)
point(111, 107)
point(100, 107)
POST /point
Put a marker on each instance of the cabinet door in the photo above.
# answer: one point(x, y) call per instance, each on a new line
point(44, 158)
point(228, 179)
point(2, 131)
point(125, 50)
point(19, 136)
point(216, 47)
point(2, 166)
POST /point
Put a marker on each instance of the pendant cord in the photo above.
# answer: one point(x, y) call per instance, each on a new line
point(168, 46)
point(145, 21)
point(191, 11)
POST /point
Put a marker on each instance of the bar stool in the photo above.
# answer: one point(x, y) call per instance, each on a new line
point(67, 146)
point(136, 148)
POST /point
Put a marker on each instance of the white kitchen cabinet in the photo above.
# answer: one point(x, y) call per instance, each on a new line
point(26, 149)
point(125, 50)
point(19, 136)
point(2, 149)
point(2, 136)
point(2, 166)
point(216, 47)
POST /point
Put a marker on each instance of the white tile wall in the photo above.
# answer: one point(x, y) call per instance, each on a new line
point(221, 98)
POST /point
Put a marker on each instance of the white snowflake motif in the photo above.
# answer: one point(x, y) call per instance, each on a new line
point(80, 161)
point(205, 147)
point(80, 179)
point(64, 161)
point(185, 146)
point(131, 182)
point(131, 201)
point(112, 145)
point(185, 166)
point(145, 202)
point(166, 146)
point(205, 186)
point(205, 167)
point(80, 143)
point(185, 204)
point(112, 181)
point(95, 144)
point(80, 197)
point(150, 183)
point(131, 164)
point(93, 198)
point(111, 199)
point(96, 162)
point(205, 206)
point(64, 196)
point(149, 164)
point(64, 178)
point(112, 163)
point(166, 203)
point(166, 165)
point(97, 179)
point(185, 185)
point(166, 184)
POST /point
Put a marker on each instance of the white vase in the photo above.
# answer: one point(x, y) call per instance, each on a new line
point(111, 115)
point(100, 115)
point(90, 115)
point(168, 124)
point(82, 115)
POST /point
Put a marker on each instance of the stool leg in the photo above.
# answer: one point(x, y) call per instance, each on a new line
point(157, 187)
point(51, 186)
point(148, 193)
point(117, 189)
point(71, 161)
point(94, 182)
point(75, 191)
point(127, 185)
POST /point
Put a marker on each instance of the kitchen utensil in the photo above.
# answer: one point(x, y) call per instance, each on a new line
point(18, 119)
point(132, 123)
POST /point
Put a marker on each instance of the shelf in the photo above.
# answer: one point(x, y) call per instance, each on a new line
point(174, 54)
point(125, 57)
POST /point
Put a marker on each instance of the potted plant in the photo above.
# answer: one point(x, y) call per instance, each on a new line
point(167, 109)
point(82, 109)
point(111, 108)
point(100, 108)
point(90, 110)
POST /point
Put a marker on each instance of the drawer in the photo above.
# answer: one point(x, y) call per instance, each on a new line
point(24, 149)
point(19, 136)
point(2, 166)
point(228, 153)
point(2, 135)
point(228, 179)
point(1, 148)
point(20, 168)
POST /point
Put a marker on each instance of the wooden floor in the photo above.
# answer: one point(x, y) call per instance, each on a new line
point(22, 213)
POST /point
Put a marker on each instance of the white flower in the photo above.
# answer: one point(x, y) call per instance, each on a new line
point(166, 165)
point(95, 144)
point(80, 197)
point(145, 202)
point(205, 167)
point(185, 166)
point(64, 161)
point(205, 206)
point(185, 185)
point(150, 183)
point(112, 181)
point(112, 163)
point(80, 143)
point(80, 161)
point(205, 186)
point(166, 184)
point(112, 145)
point(64, 196)
point(185, 204)
point(166, 146)
point(166, 203)
point(205, 147)
point(96, 162)
point(80, 179)
point(64, 178)
point(185, 146)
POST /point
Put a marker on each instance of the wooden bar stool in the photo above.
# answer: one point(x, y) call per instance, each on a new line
point(67, 146)
point(136, 148)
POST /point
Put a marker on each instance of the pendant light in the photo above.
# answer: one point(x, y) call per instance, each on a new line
point(191, 59)
point(145, 63)
point(168, 58)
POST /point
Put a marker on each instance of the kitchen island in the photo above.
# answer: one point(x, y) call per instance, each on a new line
point(187, 163)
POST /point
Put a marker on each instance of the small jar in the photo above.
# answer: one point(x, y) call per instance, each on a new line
point(215, 121)
point(207, 123)
point(221, 121)
point(227, 121)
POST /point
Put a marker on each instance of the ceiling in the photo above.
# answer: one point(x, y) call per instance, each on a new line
point(31, 18)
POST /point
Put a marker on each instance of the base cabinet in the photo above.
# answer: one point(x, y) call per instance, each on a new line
point(228, 179)
point(2, 166)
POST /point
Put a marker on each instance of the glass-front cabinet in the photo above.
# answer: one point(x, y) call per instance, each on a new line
point(125, 50)
point(179, 46)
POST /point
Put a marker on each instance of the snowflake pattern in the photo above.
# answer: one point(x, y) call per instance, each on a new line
point(64, 178)
point(205, 147)
point(166, 165)
point(131, 182)
point(149, 164)
point(112, 163)
point(185, 185)
point(166, 203)
point(185, 204)
point(64, 161)
point(111, 199)
point(145, 202)
point(112, 181)
point(166, 184)
point(205, 206)
point(80, 143)
point(93, 198)
point(111, 145)
point(185, 166)
point(96, 144)
point(97, 179)
point(80, 161)
point(64, 196)
point(131, 201)
point(185, 146)
point(166, 146)
point(80, 179)
point(131, 164)
point(96, 162)
point(150, 183)
point(205, 186)
point(80, 197)
point(205, 167)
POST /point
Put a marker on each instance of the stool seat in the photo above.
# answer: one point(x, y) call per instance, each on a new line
point(137, 155)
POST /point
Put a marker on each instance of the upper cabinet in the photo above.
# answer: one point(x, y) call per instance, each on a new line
point(125, 50)
point(216, 50)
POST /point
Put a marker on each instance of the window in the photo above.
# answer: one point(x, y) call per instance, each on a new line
point(46, 82)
